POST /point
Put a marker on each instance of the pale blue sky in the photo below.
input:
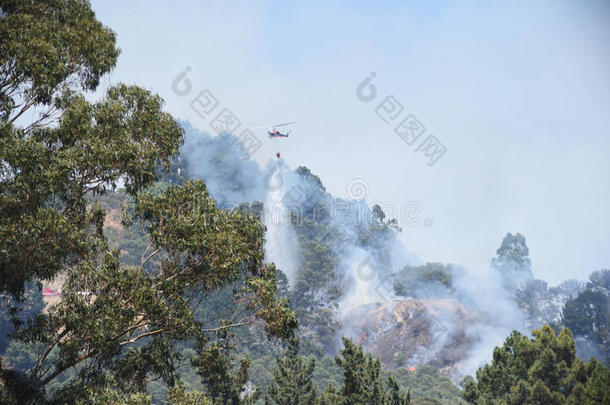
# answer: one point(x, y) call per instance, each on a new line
point(518, 92)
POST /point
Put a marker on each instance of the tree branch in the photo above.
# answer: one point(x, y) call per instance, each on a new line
point(48, 349)
point(143, 335)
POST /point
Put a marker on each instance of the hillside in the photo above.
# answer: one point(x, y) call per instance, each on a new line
point(309, 232)
point(413, 332)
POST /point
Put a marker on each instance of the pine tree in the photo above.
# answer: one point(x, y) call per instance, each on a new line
point(586, 315)
point(395, 398)
point(222, 375)
point(543, 370)
point(362, 382)
point(513, 262)
point(292, 383)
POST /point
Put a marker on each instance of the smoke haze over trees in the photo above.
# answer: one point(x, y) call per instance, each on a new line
point(143, 260)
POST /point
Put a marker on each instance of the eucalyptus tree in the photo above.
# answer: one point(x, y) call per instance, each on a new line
point(114, 324)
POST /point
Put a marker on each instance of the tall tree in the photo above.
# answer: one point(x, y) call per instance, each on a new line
point(543, 370)
point(223, 376)
point(362, 382)
point(512, 260)
point(587, 315)
point(123, 321)
point(293, 384)
point(49, 50)
point(114, 323)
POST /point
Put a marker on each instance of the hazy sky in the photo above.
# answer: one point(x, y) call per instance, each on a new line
point(517, 92)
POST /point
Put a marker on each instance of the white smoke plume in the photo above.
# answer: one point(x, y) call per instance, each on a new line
point(367, 261)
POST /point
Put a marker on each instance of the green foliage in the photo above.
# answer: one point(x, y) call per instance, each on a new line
point(118, 322)
point(599, 280)
point(410, 279)
point(17, 388)
point(316, 274)
point(16, 313)
point(316, 288)
point(543, 370)
point(47, 44)
point(19, 356)
point(377, 235)
point(426, 384)
point(380, 222)
point(326, 373)
point(512, 260)
point(49, 51)
point(109, 310)
point(223, 378)
point(177, 395)
point(114, 397)
point(129, 241)
point(170, 284)
point(306, 174)
point(362, 381)
point(261, 370)
point(46, 173)
point(292, 384)
point(587, 314)
point(513, 252)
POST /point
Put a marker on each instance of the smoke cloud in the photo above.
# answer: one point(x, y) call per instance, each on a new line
point(466, 319)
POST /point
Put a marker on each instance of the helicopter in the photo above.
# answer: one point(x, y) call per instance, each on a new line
point(273, 132)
